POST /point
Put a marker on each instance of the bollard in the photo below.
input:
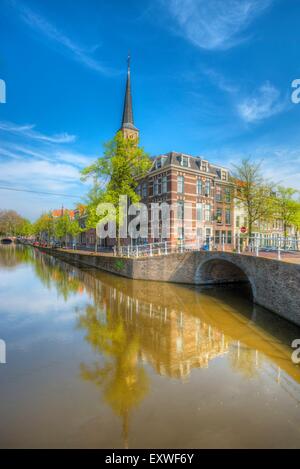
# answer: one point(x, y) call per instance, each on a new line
point(166, 248)
point(223, 243)
point(279, 253)
point(150, 250)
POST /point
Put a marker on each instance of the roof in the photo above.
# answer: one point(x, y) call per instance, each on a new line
point(174, 158)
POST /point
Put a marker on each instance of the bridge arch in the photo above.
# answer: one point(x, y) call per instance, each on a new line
point(216, 270)
point(6, 241)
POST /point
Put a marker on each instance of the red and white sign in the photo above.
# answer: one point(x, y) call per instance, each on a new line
point(243, 229)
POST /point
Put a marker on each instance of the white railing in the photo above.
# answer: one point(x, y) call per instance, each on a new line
point(240, 244)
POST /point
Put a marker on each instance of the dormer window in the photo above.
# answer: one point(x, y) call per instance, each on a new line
point(224, 175)
point(158, 163)
point(184, 161)
point(204, 166)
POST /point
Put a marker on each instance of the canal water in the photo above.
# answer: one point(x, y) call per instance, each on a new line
point(95, 360)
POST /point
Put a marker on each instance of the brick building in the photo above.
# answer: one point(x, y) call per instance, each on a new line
point(193, 183)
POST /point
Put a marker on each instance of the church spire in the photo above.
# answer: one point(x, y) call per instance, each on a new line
point(128, 129)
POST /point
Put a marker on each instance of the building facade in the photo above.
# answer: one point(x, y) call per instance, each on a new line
point(193, 184)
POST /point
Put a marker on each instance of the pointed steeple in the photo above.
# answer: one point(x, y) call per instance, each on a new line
point(127, 127)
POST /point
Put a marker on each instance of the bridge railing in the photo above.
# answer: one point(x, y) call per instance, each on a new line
point(254, 245)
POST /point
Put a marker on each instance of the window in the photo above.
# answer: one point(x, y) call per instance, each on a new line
point(218, 194)
point(180, 184)
point(199, 232)
point(199, 186)
point(158, 163)
point(144, 190)
point(180, 232)
point(164, 185)
point(204, 166)
point(184, 161)
point(217, 236)
point(155, 187)
point(138, 190)
point(207, 212)
point(229, 237)
point(180, 210)
point(238, 221)
point(223, 175)
point(207, 187)
point(219, 216)
point(199, 212)
point(228, 216)
point(227, 195)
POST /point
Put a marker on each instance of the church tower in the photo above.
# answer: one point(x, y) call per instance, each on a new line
point(127, 128)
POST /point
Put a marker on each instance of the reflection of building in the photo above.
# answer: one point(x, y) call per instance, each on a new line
point(172, 341)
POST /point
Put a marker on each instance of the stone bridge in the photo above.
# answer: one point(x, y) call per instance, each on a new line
point(275, 284)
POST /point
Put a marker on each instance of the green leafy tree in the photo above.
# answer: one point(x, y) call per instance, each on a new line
point(253, 193)
point(62, 226)
point(25, 228)
point(116, 174)
point(44, 226)
point(287, 207)
point(74, 229)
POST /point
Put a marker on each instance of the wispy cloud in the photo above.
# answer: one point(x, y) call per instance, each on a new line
point(35, 161)
point(75, 51)
point(214, 24)
point(29, 132)
point(265, 102)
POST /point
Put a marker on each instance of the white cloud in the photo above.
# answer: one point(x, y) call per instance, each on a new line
point(263, 103)
point(214, 24)
point(29, 132)
point(49, 31)
point(42, 174)
point(32, 161)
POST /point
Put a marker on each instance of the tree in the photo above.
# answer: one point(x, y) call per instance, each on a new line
point(116, 174)
point(253, 192)
point(44, 224)
point(92, 200)
point(62, 225)
point(287, 207)
point(10, 223)
point(25, 228)
point(74, 229)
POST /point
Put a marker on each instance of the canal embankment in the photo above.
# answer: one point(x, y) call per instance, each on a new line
point(275, 285)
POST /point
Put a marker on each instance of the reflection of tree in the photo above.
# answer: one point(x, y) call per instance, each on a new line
point(123, 379)
point(11, 256)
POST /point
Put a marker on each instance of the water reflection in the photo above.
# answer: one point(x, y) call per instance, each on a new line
point(132, 325)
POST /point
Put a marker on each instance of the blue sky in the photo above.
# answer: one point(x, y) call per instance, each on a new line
point(209, 78)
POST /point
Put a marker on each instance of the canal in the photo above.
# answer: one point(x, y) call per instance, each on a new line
point(95, 360)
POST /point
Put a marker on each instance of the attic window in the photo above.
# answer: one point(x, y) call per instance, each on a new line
point(204, 166)
point(158, 163)
point(184, 161)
